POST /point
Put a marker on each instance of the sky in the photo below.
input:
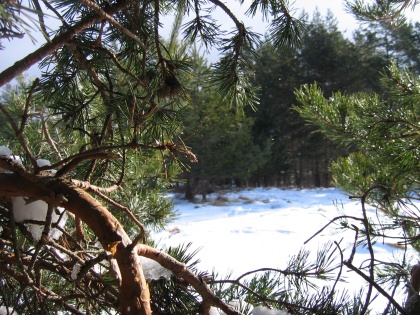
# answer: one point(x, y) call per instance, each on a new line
point(244, 230)
point(20, 48)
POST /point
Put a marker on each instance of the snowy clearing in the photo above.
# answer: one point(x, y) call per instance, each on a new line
point(250, 229)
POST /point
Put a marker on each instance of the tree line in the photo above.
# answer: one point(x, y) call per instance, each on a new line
point(271, 145)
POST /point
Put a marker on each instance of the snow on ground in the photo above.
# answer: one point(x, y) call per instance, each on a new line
point(249, 229)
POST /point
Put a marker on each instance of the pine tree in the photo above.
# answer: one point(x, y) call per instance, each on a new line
point(299, 156)
point(384, 169)
point(219, 134)
point(105, 114)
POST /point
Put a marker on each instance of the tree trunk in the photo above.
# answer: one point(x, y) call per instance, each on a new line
point(189, 194)
point(317, 175)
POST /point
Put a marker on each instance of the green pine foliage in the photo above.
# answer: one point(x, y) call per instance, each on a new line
point(383, 131)
point(383, 168)
point(219, 134)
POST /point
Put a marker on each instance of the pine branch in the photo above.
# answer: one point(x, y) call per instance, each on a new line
point(98, 192)
point(18, 134)
point(57, 42)
point(381, 11)
point(180, 270)
point(114, 22)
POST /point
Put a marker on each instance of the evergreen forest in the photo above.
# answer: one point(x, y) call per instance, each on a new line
point(272, 145)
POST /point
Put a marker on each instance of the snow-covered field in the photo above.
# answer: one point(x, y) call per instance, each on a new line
point(249, 229)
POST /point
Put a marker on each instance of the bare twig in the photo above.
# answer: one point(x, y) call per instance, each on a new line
point(376, 286)
point(117, 63)
point(156, 31)
point(26, 109)
point(370, 248)
point(49, 139)
point(332, 221)
point(114, 22)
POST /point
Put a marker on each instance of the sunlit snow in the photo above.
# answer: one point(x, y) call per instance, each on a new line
point(43, 162)
point(5, 151)
point(153, 270)
point(250, 229)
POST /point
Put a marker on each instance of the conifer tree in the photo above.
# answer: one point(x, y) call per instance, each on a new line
point(105, 114)
point(383, 171)
point(219, 134)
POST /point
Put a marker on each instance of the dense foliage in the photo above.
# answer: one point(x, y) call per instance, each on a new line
point(383, 170)
point(285, 150)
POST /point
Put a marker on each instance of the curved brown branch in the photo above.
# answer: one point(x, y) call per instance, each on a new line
point(134, 293)
point(101, 150)
point(88, 186)
point(226, 9)
point(122, 208)
point(180, 270)
point(75, 162)
point(240, 26)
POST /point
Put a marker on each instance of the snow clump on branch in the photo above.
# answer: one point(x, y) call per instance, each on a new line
point(258, 310)
point(153, 270)
point(5, 151)
point(36, 211)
